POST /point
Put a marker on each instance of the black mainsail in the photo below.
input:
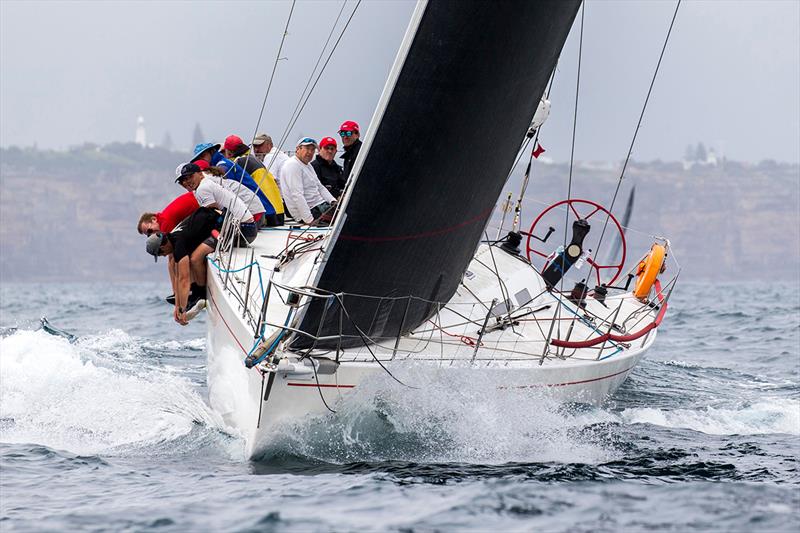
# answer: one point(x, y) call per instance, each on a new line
point(455, 111)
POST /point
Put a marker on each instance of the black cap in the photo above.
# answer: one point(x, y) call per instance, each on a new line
point(186, 170)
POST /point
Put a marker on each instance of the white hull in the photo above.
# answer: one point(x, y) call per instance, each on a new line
point(513, 359)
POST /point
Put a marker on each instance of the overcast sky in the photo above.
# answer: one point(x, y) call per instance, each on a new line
point(74, 72)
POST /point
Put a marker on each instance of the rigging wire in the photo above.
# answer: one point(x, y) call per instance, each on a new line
point(311, 75)
point(574, 129)
point(571, 164)
point(264, 101)
point(272, 75)
point(639, 123)
point(322, 70)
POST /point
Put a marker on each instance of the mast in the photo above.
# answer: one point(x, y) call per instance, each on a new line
point(458, 102)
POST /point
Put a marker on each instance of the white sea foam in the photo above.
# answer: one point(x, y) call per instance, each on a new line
point(193, 344)
point(66, 396)
point(464, 418)
point(763, 417)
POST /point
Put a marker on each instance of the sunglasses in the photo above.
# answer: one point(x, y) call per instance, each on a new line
point(346, 133)
point(149, 232)
point(329, 147)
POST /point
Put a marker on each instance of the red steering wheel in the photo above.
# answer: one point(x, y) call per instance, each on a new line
point(582, 209)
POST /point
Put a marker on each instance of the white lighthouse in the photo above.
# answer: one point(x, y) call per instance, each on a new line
point(141, 137)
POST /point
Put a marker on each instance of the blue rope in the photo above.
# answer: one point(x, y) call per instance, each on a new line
point(274, 343)
point(251, 265)
point(612, 353)
point(224, 271)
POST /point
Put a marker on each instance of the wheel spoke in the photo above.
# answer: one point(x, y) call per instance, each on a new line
point(596, 209)
point(593, 208)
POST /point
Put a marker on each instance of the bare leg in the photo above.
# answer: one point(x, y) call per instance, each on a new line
point(198, 264)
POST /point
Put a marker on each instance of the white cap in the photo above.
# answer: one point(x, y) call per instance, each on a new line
point(305, 141)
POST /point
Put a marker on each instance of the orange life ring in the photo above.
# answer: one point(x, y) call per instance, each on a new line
point(648, 271)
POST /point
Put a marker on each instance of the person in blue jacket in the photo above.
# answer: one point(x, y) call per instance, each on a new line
point(209, 152)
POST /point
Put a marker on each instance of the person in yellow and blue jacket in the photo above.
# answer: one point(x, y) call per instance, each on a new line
point(235, 149)
point(210, 153)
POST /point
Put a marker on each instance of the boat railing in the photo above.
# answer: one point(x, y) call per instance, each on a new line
point(457, 324)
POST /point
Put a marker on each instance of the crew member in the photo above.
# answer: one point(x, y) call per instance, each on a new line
point(210, 153)
point(187, 245)
point(248, 197)
point(169, 217)
point(236, 150)
point(165, 221)
point(348, 131)
point(328, 171)
point(305, 196)
point(270, 155)
point(212, 195)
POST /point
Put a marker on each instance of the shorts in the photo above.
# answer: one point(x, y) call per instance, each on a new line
point(249, 232)
point(318, 210)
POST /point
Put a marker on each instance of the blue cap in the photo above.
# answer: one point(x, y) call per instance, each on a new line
point(204, 147)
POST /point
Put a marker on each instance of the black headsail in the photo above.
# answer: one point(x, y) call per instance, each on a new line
point(451, 121)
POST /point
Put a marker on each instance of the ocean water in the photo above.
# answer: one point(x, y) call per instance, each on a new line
point(113, 432)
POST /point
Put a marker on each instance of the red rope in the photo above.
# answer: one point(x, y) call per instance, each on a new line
point(619, 338)
point(469, 341)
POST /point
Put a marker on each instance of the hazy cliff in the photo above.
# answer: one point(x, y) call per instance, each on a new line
point(72, 215)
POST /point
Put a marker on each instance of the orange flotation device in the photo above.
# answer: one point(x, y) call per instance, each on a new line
point(648, 271)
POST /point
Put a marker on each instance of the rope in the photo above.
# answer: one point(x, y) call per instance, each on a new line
point(639, 123)
point(272, 346)
point(466, 339)
point(234, 271)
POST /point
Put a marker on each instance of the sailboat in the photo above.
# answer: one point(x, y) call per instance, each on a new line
point(407, 274)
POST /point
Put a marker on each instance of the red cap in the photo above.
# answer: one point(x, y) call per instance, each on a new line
point(202, 163)
point(349, 125)
point(232, 142)
point(327, 141)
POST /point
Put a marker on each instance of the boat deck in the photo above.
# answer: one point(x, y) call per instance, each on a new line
point(500, 315)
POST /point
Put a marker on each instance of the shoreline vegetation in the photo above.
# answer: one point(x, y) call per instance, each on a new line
point(70, 215)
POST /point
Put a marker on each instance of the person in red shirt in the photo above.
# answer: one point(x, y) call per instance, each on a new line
point(165, 221)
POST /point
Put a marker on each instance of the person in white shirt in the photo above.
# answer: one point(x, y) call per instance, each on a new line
point(250, 199)
point(269, 154)
point(304, 195)
point(210, 194)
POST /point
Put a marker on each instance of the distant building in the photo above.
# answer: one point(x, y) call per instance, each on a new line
point(197, 136)
point(141, 136)
point(699, 156)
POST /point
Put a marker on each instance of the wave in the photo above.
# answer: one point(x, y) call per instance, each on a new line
point(469, 421)
point(96, 395)
point(779, 415)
